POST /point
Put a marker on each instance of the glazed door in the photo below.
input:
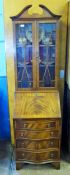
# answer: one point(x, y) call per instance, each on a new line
point(46, 43)
point(25, 55)
point(35, 54)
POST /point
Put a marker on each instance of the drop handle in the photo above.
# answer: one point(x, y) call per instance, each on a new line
point(51, 143)
point(23, 144)
point(52, 133)
point(23, 154)
point(49, 125)
point(22, 134)
point(52, 155)
point(24, 125)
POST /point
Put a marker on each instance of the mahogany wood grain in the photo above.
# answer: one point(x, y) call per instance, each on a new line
point(44, 144)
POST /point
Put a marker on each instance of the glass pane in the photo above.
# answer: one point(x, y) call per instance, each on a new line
point(47, 53)
point(24, 55)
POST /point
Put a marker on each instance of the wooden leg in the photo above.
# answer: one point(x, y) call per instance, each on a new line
point(19, 166)
point(56, 165)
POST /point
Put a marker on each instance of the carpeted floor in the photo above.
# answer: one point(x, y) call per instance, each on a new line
point(5, 157)
point(7, 165)
point(43, 170)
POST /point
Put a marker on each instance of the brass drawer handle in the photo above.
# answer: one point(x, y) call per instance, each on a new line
point(52, 133)
point(49, 125)
point(23, 144)
point(24, 125)
point(51, 143)
point(23, 154)
point(22, 134)
point(53, 124)
point(52, 155)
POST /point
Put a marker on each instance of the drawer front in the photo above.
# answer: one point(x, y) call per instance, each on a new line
point(37, 157)
point(27, 156)
point(36, 135)
point(37, 145)
point(36, 125)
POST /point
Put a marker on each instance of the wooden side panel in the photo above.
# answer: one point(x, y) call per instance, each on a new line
point(62, 53)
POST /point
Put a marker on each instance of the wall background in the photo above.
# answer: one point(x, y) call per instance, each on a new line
point(4, 110)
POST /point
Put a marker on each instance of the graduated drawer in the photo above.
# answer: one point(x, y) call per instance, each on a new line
point(37, 144)
point(37, 157)
point(36, 124)
point(20, 134)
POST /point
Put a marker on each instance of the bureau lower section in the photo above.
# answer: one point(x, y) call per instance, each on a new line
point(37, 141)
point(37, 157)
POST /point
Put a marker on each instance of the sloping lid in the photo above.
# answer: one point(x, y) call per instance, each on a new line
point(37, 105)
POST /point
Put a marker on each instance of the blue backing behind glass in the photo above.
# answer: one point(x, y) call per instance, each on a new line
point(24, 55)
point(47, 55)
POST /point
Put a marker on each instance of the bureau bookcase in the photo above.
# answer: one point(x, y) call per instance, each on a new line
point(37, 114)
